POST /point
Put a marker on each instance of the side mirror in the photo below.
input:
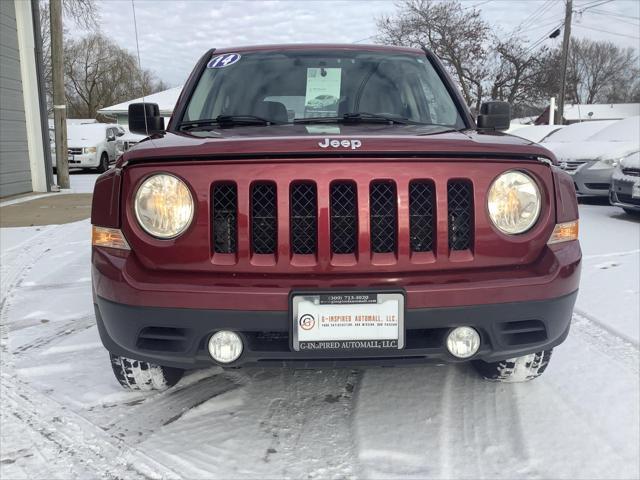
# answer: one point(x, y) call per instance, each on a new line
point(145, 119)
point(111, 137)
point(494, 116)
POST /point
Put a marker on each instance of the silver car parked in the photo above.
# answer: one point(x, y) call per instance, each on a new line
point(625, 184)
point(591, 160)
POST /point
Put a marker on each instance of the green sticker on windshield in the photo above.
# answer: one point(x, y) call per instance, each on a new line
point(323, 92)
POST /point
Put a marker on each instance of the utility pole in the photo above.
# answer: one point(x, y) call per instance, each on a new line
point(565, 58)
point(59, 101)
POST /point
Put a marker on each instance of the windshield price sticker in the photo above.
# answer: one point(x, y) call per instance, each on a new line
point(323, 92)
point(224, 60)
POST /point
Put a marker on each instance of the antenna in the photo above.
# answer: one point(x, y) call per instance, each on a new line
point(135, 26)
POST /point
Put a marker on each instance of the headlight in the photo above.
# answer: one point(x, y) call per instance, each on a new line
point(89, 150)
point(163, 206)
point(514, 202)
point(604, 163)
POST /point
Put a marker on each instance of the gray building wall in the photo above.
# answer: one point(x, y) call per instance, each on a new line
point(15, 170)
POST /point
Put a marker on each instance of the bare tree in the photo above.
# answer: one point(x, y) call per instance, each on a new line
point(488, 67)
point(601, 72)
point(517, 76)
point(99, 73)
point(82, 13)
point(456, 34)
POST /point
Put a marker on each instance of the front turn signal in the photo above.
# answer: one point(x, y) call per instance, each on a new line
point(564, 232)
point(108, 237)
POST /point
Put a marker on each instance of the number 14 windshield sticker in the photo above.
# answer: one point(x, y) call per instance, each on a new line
point(224, 60)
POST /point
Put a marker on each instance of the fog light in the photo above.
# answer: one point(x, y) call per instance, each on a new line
point(463, 342)
point(225, 346)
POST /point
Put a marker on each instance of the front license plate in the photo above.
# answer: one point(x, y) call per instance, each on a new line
point(635, 190)
point(348, 321)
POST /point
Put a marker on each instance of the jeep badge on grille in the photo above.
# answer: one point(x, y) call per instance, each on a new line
point(353, 144)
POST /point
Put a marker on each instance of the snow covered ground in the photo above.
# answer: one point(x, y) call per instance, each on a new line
point(64, 416)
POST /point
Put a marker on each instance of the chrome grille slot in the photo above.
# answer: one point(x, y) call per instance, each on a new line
point(383, 214)
point(460, 214)
point(344, 220)
point(263, 218)
point(304, 222)
point(225, 218)
point(421, 215)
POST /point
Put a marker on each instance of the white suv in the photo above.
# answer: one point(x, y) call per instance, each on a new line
point(91, 145)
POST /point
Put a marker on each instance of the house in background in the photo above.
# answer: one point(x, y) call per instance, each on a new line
point(24, 136)
point(597, 111)
point(166, 100)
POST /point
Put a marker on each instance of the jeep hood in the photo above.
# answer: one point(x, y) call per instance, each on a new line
point(288, 141)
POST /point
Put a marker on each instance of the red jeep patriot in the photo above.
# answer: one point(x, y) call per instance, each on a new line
point(323, 205)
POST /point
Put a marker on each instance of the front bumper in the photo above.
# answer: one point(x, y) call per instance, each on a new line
point(167, 317)
point(591, 180)
point(621, 192)
point(178, 337)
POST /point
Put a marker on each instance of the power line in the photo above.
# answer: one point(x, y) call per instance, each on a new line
point(543, 37)
point(529, 19)
point(609, 32)
point(613, 14)
point(542, 25)
point(481, 3)
point(618, 19)
point(366, 38)
point(591, 4)
point(541, 13)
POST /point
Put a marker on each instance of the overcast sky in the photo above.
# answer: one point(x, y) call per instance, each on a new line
point(173, 34)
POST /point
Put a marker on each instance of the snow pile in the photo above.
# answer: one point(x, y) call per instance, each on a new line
point(606, 140)
point(627, 130)
point(536, 133)
point(578, 131)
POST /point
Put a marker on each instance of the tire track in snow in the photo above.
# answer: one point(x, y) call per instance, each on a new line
point(309, 420)
point(438, 422)
point(13, 271)
point(149, 415)
point(72, 444)
point(63, 330)
point(605, 339)
point(280, 424)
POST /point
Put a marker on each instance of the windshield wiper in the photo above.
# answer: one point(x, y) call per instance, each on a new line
point(359, 117)
point(223, 121)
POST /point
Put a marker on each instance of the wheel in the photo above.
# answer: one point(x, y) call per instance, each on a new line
point(634, 213)
point(512, 370)
point(138, 375)
point(104, 163)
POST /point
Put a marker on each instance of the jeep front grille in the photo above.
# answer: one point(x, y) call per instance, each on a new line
point(304, 218)
point(344, 217)
point(340, 220)
point(225, 218)
point(460, 201)
point(263, 218)
point(383, 215)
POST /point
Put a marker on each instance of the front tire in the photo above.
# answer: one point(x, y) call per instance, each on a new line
point(104, 163)
point(145, 376)
point(514, 370)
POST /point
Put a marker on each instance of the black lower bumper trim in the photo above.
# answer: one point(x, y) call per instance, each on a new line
point(177, 337)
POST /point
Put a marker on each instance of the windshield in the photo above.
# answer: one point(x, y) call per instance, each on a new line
point(286, 86)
